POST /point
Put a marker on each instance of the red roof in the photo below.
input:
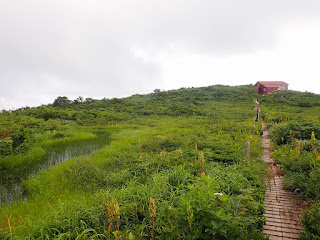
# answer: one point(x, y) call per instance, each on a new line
point(272, 83)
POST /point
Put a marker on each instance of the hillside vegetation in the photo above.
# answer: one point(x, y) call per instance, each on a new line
point(171, 165)
point(294, 120)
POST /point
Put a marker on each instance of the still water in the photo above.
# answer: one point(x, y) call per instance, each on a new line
point(11, 189)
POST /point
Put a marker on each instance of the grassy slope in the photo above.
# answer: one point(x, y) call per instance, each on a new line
point(178, 147)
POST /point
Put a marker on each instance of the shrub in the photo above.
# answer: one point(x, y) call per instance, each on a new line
point(311, 223)
point(5, 147)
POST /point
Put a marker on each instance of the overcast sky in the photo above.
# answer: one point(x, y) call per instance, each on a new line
point(116, 48)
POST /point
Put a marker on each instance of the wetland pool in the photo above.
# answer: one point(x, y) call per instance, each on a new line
point(11, 186)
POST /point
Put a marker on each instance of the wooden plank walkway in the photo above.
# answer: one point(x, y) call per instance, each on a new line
point(283, 212)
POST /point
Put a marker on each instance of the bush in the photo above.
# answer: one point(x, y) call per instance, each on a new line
point(5, 147)
point(313, 184)
point(284, 133)
point(311, 223)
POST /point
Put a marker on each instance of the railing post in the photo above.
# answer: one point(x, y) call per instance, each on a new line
point(298, 145)
point(248, 148)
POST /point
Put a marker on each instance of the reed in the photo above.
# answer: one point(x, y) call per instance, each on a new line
point(9, 225)
point(110, 213)
point(153, 214)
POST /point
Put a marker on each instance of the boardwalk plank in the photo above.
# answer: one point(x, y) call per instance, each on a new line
point(281, 210)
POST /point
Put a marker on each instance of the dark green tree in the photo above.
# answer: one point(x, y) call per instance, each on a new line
point(61, 101)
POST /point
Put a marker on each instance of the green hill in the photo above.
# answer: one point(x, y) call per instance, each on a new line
point(165, 165)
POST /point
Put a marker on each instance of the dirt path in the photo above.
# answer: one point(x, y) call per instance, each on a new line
point(282, 211)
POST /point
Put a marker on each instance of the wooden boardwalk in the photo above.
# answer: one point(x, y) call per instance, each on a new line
point(282, 211)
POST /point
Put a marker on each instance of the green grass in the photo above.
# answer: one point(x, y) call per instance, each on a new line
point(185, 149)
point(143, 162)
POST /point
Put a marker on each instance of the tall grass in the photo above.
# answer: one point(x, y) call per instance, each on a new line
point(175, 169)
point(145, 162)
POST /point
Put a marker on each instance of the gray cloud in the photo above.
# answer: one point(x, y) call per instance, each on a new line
point(54, 48)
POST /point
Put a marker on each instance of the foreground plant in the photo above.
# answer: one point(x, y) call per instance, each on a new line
point(153, 214)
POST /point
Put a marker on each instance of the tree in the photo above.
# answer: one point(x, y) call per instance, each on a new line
point(89, 100)
point(61, 101)
point(79, 100)
point(157, 91)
